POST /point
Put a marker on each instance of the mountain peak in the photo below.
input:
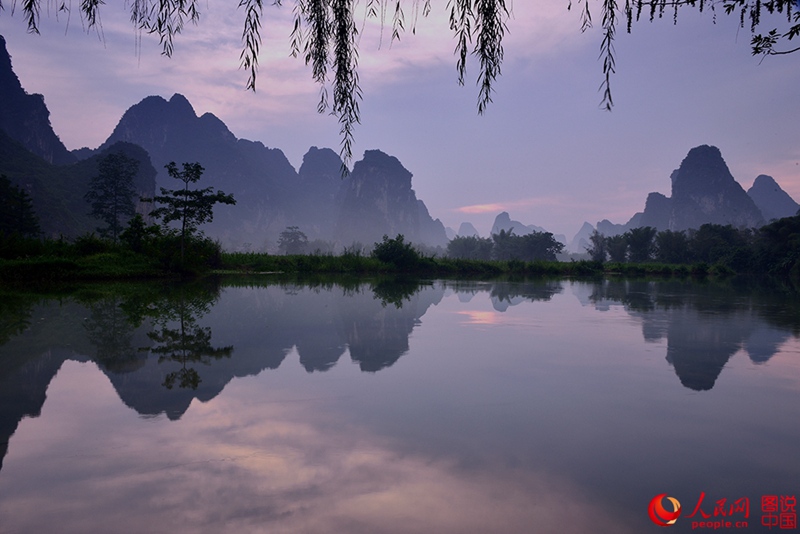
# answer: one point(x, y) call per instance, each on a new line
point(702, 168)
point(467, 230)
point(386, 169)
point(25, 117)
point(320, 162)
point(763, 180)
point(377, 199)
point(773, 201)
point(704, 191)
point(8, 80)
point(180, 104)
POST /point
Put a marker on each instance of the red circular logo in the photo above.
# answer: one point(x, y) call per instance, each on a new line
point(659, 515)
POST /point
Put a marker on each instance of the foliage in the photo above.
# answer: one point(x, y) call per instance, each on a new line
point(617, 247)
point(396, 252)
point(778, 247)
point(191, 207)
point(715, 243)
point(185, 343)
point(470, 248)
point(640, 244)
point(138, 234)
point(775, 249)
point(715, 248)
point(89, 244)
point(326, 36)
point(293, 241)
point(672, 247)
point(395, 291)
point(530, 247)
point(16, 211)
point(111, 192)
point(597, 250)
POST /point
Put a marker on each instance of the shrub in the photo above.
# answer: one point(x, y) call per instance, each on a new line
point(396, 252)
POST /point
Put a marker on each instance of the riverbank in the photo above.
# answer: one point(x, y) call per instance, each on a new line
point(108, 266)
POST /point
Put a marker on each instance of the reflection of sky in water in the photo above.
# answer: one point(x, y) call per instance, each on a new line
point(246, 462)
point(548, 417)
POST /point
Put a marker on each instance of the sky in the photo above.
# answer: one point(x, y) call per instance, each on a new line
point(545, 150)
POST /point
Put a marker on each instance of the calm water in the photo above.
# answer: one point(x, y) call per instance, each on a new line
point(441, 407)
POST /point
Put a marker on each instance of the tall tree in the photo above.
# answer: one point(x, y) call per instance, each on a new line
point(292, 241)
point(16, 211)
point(640, 244)
point(672, 246)
point(191, 207)
point(617, 247)
point(538, 246)
point(505, 245)
point(597, 250)
point(111, 193)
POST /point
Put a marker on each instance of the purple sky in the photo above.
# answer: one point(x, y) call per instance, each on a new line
point(545, 152)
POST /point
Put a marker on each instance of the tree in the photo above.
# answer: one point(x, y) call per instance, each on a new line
point(778, 247)
point(397, 252)
point(597, 251)
point(16, 211)
point(672, 247)
point(529, 247)
point(325, 34)
point(292, 241)
point(617, 247)
point(111, 193)
point(712, 243)
point(505, 246)
point(640, 244)
point(538, 246)
point(470, 248)
point(179, 338)
point(192, 207)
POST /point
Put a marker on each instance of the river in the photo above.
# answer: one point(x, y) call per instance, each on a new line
point(400, 406)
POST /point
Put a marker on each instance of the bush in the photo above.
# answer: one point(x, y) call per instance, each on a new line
point(16, 246)
point(396, 252)
point(42, 269)
point(89, 244)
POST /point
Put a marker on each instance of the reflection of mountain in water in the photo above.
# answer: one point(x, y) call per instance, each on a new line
point(53, 333)
point(507, 294)
point(264, 324)
point(22, 394)
point(704, 325)
point(254, 328)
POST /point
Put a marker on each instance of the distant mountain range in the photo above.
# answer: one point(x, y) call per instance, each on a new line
point(376, 198)
point(373, 200)
point(703, 191)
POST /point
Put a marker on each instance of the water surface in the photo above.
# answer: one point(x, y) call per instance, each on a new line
point(546, 406)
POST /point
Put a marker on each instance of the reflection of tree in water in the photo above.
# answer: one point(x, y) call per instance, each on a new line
point(15, 316)
point(111, 330)
point(179, 338)
point(188, 343)
point(505, 294)
point(397, 290)
point(636, 294)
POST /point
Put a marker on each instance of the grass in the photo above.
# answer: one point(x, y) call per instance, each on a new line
point(122, 264)
point(101, 266)
point(249, 263)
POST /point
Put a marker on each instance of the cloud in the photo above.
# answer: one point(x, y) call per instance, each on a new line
point(497, 207)
point(248, 463)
